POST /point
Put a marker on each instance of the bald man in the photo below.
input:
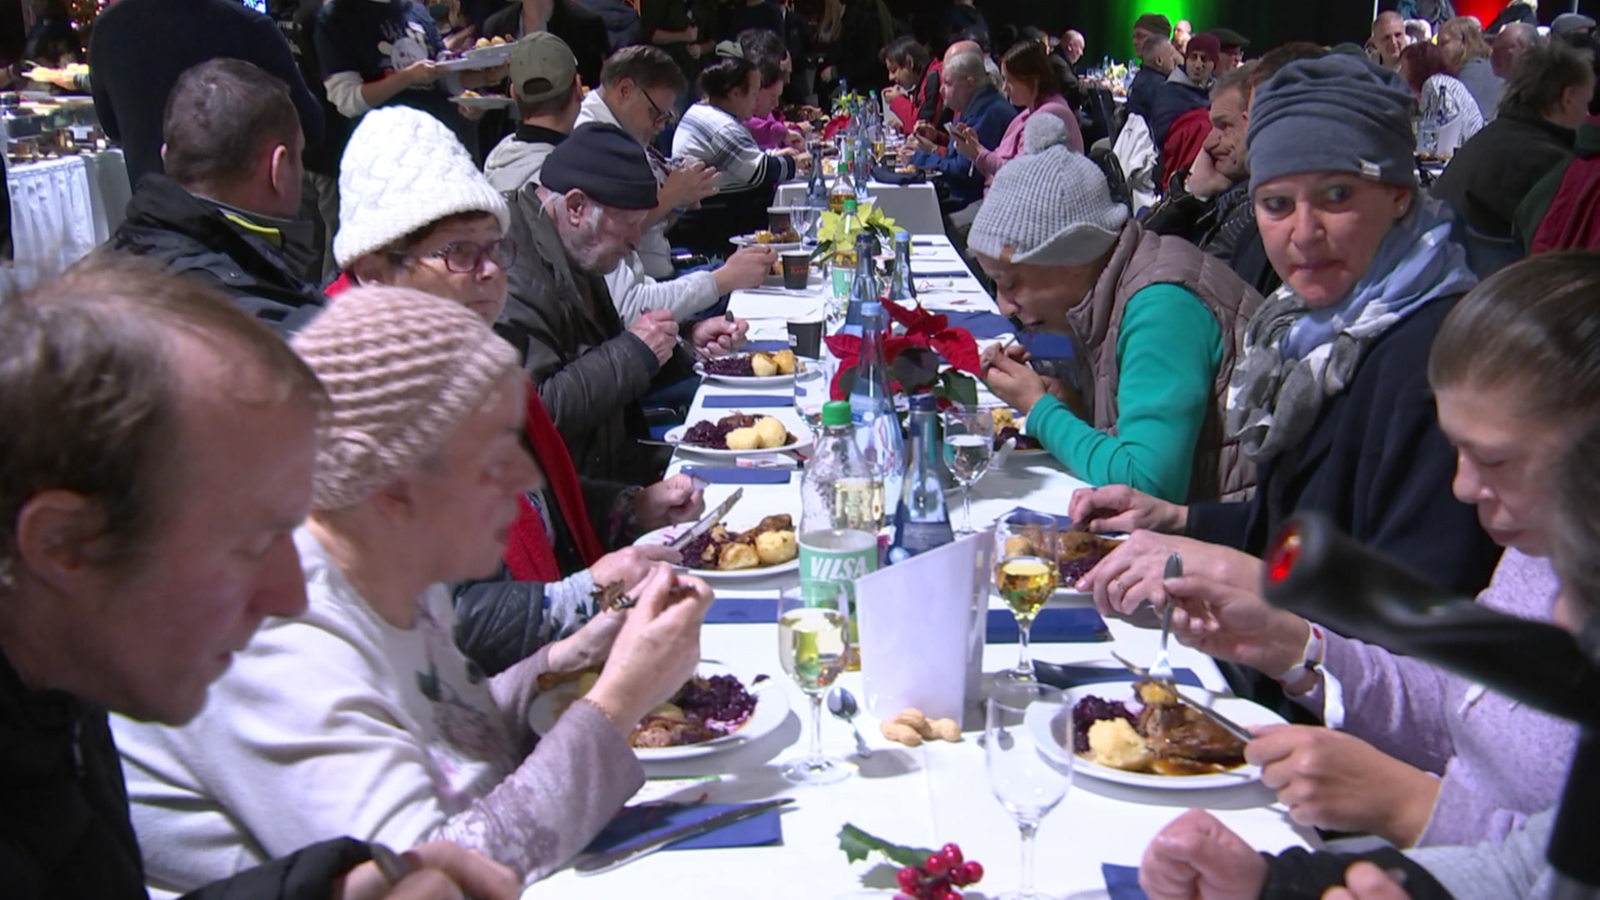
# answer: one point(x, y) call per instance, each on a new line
point(1389, 37)
point(990, 67)
point(1509, 44)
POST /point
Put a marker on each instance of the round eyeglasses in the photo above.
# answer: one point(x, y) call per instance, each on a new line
point(465, 257)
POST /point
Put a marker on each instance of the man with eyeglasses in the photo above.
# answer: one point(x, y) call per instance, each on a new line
point(225, 211)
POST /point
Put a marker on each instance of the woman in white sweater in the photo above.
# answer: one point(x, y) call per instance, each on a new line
point(361, 717)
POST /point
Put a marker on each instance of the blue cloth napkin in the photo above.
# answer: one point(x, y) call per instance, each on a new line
point(638, 824)
point(765, 346)
point(938, 273)
point(1063, 523)
point(1122, 882)
point(741, 475)
point(982, 324)
point(739, 401)
point(1071, 675)
point(1061, 625)
point(1047, 346)
point(734, 610)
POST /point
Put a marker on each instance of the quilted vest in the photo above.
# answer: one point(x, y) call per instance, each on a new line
point(1140, 259)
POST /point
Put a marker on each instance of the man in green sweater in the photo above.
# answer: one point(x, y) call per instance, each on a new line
point(1154, 324)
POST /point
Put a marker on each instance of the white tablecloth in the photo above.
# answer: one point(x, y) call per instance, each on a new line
point(926, 796)
point(914, 207)
point(63, 208)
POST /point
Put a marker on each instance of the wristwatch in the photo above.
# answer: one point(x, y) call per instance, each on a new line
point(1311, 659)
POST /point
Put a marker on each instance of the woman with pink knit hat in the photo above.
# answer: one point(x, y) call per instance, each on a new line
point(364, 704)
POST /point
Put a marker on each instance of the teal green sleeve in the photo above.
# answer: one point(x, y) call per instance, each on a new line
point(1168, 352)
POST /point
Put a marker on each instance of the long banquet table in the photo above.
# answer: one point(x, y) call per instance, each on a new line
point(925, 796)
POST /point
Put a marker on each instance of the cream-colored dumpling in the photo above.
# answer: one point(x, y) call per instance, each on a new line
point(771, 433)
point(775, 547)
point(762, 365)
point(785, 361)
point(737, 556)
point(744, 439)
point(1114, 743)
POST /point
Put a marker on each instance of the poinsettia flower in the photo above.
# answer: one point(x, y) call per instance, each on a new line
point(925, 330)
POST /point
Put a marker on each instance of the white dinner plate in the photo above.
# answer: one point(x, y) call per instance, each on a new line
point(749, 240)
point(483, 102)
point(667, 534)
point(748, 380)
point(772, 707)
point(676, 433)
point(1052, 725)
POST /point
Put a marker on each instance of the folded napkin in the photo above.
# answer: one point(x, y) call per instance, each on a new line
point(638, 824)
point(1071, 675)
point(934, 270)
point(1061, 625)
point(1122, 882)
point(739, 610)
point(737, 401)
point(982, 324)
point(764, 346)
point(1062, 522)
point(741, 474)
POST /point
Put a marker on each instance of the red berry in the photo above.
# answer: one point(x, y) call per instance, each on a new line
point(972, 872)
point(952, 895)
point(952, 854)
point(910, 879)
point(937, 865)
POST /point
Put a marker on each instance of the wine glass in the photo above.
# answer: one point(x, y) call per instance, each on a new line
point(1026, 574)
point(968, 448)
point(814, 647)
point(1022, 776)
point(804, 220)
point(812, 386)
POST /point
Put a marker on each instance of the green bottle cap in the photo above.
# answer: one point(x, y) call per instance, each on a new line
point(850, 205)
point(836, 412)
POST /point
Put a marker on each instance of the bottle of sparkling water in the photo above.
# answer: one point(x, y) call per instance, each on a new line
point(844, 183)
point(844, 251)
point(841, 512)
point(863, 287)
point(922, 519)
point(817, 186)
point(901, 290)
point(872, 409)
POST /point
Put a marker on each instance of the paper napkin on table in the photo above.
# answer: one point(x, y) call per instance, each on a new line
point(740, 474)
point(1057, 626)
point(1122, 882)
point(1070, 675)
point(638, 824)
point(754, 401)
point(737, 610)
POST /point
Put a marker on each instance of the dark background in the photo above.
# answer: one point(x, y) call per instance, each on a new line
point(1108, 24)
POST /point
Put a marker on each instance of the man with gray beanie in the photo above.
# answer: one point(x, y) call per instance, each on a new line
point(1153, 320)
point(570, 231)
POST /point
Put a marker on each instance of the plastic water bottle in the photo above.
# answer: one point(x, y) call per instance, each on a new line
point(872, 405)
point(922, 518)
point(841, 513)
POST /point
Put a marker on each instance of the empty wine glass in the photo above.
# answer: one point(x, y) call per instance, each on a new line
point(1026, 781)
point(1026, 574)
point(968, 448)
point(814, 647)
point(813, 381)
point(804, 220)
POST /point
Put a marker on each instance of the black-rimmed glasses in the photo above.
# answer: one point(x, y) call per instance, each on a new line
point(662, 117)
point(464, 257)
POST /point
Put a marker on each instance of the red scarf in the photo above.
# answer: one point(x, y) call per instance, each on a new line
point(529, 553)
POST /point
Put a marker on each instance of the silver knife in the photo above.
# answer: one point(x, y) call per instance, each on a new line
point(707, 523)
point(595, 863)
point(1228, 725)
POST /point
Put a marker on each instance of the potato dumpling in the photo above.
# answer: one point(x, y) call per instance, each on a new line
point(482, 42)
point(744, 439)
point(771, 433)
point(586, 681)
point(775, 547)
point(1003, 418)
point(762, 365)
point(1017, 545)
point(1114, 743)
point(785, 361)
point(738, 556)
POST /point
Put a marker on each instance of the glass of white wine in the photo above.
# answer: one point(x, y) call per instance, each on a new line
point(1026, 574)
point(814, 647)
point(968, 449)
point(1022, 775)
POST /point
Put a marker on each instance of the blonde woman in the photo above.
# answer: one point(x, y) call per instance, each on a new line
point(1466, 54)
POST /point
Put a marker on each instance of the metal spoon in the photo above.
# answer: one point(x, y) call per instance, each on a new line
point(842, 704)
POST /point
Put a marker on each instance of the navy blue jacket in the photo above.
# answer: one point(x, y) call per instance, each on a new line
point(989, 115)
point(1174, 99)
point(1144, 92)
point(1377, 463)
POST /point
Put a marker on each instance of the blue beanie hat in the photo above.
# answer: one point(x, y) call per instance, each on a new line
point(605, 163)
point(1336, 113)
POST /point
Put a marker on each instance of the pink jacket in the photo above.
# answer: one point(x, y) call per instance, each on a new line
point(1010, 146)
point(770, 132)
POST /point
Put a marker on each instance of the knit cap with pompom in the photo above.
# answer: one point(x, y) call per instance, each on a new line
point(403, 369)
point(402, 170)
point(1051, 206)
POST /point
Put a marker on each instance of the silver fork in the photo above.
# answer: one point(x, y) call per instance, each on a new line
point(1161, 670)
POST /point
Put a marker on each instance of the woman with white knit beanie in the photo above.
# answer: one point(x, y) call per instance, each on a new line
point(418, 214)
point(1152, 319)
point(363, 705)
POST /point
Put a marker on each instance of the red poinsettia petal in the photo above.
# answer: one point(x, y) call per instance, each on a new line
point(845, 347)
point(958, 348)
